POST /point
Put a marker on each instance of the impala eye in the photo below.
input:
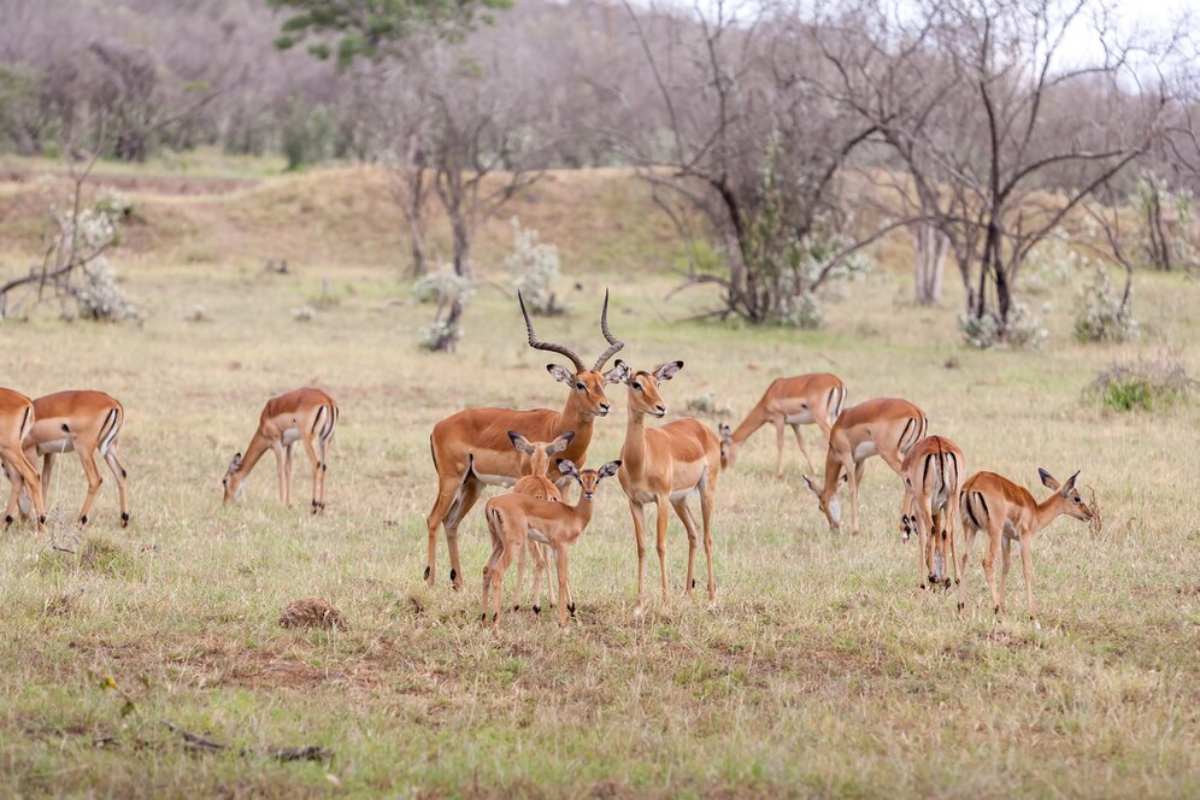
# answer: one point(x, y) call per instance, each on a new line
point(636, 385)
point(579, 385)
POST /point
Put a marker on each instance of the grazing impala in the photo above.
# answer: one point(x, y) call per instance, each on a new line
point(667, 465)
point(535, 482)
point(515, 519)
point(884, 427)
point(302, 415)
point(87, 423)
point(932, 473)
point(16, 419)
point(1008, 512)
point(472, 448)
point(803, 400)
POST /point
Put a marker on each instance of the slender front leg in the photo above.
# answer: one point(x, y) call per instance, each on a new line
point(1007, 549)
point(995, 534)
point(1027, 570)
point(470, 494)
point(639, 534)
point(803, 451)
point(47, 471)
point(18, 463)
point(539, 571)
point(779, 447)
point(287, 474)
point(14, 497)
point(927, 539)
point(708, 501)
point(685, 516)
point(280, 469)
point(317, 505)
point(854, 472)
point(564, 581)
point(660, 542)
point(521, 572)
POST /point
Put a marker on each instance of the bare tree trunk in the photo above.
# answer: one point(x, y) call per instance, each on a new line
point(929, 264)
point(462, 242)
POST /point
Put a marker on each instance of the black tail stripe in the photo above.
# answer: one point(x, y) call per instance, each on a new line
point(904, 434)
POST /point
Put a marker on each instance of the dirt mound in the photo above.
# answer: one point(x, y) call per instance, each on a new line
point(312, 612)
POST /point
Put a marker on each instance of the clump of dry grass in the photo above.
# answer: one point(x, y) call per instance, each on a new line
point(1144, 384)
point(312, 612)
point(1096, 524)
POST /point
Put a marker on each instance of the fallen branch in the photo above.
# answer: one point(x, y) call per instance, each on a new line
point(192, 741)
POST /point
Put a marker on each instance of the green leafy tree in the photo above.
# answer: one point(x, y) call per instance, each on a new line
point(374, 29)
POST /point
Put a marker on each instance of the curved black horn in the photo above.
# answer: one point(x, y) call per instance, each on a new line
point(614, 344)
point(535, 343)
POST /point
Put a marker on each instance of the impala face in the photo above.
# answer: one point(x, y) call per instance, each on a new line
point(1075, 507)
point(831, 508)
point(588, 387)
point(589, 479)
point(644, 397)
point(231, 482)
point(728, 448)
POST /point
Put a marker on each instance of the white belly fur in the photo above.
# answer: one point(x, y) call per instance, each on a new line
point(63, 445)
point(291, 436)
point(805, 417)
point(495, 480)
point(865, 450)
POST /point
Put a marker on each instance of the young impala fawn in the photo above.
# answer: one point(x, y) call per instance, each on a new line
point(932, 473)
point(1008, 513)
point(515, 519)
point(535, 482)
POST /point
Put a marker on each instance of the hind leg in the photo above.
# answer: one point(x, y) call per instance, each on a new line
point(708, 504)
point(87, 457)
point(122, 479)
point(689, 525)
point(18, 464)
point(803, 451)
point(448, 490)
point(471, 490)
point(311, 450)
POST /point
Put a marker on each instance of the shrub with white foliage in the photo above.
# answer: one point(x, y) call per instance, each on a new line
point(534, 267)
point(1100, 313)
point(1024, 331)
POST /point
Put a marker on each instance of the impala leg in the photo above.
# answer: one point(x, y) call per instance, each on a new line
point(803, 451)
point(122, 479)
point(323, 451)
point(524, 551)
point(497, 577)
point(779, 447)
point(280, 471)
point(47, 471)
point(491, 566)
point(310, 448)
point(855, 472)
point(893, 460)
point(1027, 572)
point(471, 490)
point(539, 571)
point(286, 476)
point(448, 489)
point(564, 582)
point(708, 500)
point(689, 525)
point(87, 457)
point(638, 512)
point(995, 535)
point(660, 543)
point(14, 497)
point(925, 543)
point(32, 482)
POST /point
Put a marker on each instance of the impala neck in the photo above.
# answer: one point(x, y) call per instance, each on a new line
point(254, 451)
point(753, 421)
point(833, 472)
point(633, 453)
point(575, 417)
point(1048, 510)
point(582, 513)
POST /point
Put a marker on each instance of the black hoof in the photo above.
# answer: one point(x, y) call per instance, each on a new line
point(483, 617)
point(537, 609)
point(571, 609)
point(996, 610)
point(516, 608)
point(42, 519)
point(453, 575)
point(693, 583)
point(8, 520)
point(961, 606)
point(124, 519)
point(426, 575)
point(494, 616)
point(83, 520)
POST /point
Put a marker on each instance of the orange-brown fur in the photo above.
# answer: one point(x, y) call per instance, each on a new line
point(16, 419)
point(818, 395)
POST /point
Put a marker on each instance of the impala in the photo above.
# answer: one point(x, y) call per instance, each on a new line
point(302, 415)
point(515, 519)
point(16, 419)
point(884, 427)
point(535, 482)
point(667, 465)
point(87, 423)
point(802, 400)
point(932, 473)
point(471, 448)
point(1008, 512)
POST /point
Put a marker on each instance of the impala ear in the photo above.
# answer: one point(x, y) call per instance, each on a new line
point(618, 374)
point(561, 443)
point(725, 431)
point(1048, 480)
point(1070, 486)
point(664, 372)
point(561, 374)
point(567, 467)
point(610, 469)
point(811, 487)
point(520, 443)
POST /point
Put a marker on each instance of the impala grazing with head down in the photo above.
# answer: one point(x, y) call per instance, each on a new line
point(472, 448)
point(932, 473)
point(16, 420)
point(884, 427)
point(302, 415)
point(1009, 513)
point(665, 466)
point(802, 400)
point(516, 519)
point(86, 423)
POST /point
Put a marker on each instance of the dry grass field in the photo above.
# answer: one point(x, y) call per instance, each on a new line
point(822, 671)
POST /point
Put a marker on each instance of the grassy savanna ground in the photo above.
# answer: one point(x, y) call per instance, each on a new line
point(822, 671)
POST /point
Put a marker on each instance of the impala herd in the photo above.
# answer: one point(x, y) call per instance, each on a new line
point(540, 452)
